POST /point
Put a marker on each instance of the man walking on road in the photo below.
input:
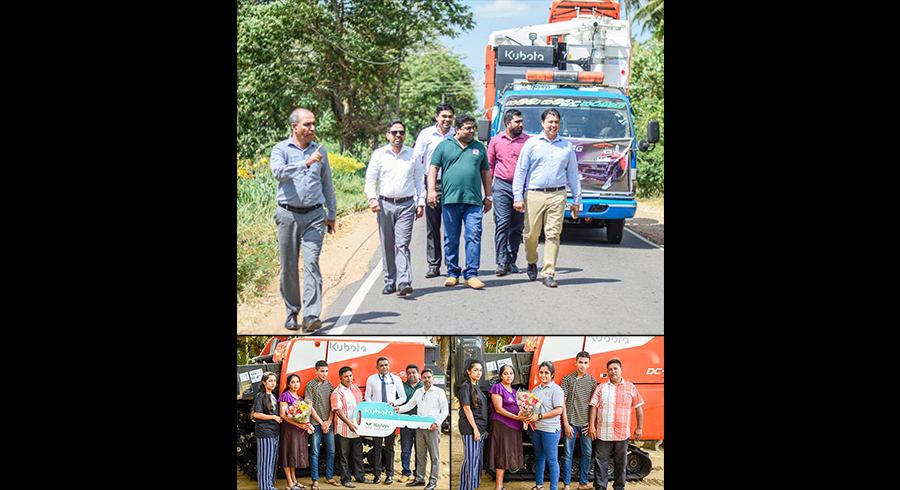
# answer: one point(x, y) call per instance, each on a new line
point(463, 163)
point(427, 140)
point(395, 186)
point(503, 153)
point(304, 184)
point(546, 163)
point(610, 424)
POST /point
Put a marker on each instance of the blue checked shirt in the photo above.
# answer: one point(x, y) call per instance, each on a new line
point(544, 163)
point(298, 185)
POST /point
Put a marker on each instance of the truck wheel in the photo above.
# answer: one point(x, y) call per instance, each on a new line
point(614, 230)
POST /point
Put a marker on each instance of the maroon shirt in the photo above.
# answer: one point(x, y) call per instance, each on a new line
point(503, 153)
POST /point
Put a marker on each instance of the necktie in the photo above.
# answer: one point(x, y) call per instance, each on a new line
point(383, 391)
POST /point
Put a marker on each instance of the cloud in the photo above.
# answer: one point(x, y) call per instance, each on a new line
point(500, 8)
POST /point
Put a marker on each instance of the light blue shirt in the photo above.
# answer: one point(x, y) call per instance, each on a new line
point(298, 185)
point(544, 163)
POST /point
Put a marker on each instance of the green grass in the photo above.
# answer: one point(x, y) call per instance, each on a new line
point(257, 234)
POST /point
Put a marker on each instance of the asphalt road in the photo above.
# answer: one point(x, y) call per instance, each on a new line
point(603, 289)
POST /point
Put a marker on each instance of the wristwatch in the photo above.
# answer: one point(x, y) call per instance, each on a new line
point(489, 198)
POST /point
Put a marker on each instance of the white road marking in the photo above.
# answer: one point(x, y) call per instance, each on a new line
point(358, 298)
point(644, 239)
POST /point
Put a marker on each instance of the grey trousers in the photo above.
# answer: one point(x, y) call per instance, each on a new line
point(510, 223)
point(428, 441)
point(395, 224)
point(298, 231)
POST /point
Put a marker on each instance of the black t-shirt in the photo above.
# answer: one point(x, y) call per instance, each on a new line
point(479, 414)
point(266, 428)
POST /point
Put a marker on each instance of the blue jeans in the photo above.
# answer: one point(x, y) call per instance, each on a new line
point(315, 442)
point(456, 216)
point(585, 456)
point(407, 441)
point(545, 444)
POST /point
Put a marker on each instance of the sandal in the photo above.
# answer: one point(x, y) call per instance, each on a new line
point(349, 485)
point(315, 485)
point(333, 482)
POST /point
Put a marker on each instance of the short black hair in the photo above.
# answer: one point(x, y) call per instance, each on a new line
point(582, 354)
point(343, 370)
point(613, 361)
point(321, 364)
point(550, 111)
point(413, 366)
point(395, 121)
point(444, 107)
point(509, 115)
point(462, 119)
point(382, 358)
point(427, 370)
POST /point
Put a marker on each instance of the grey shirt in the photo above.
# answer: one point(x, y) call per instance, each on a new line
point(298, 185)
point(551, 397)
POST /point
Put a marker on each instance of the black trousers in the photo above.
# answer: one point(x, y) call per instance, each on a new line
point(375, 454)
point(350, 455)
point(434, 239)
point(602, 450)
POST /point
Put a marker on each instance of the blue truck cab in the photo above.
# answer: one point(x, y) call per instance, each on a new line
point(598, 122)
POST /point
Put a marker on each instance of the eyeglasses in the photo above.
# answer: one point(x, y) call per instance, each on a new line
point(395, 133)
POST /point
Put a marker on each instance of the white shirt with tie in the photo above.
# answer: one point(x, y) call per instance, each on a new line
point(396, 395)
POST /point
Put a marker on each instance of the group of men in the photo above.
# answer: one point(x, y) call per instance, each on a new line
point(448, 177)
point(414, 394)
point(601, 414)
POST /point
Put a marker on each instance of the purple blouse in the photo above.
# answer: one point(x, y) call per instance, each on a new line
point(509, 403)
point(289, 398)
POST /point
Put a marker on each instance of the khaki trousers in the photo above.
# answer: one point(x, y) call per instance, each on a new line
point(547, 210)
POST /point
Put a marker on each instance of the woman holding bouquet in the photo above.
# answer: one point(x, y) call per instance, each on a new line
point(546, 422)
point(473, 420)
point(505, 451)
point(294, 452)
point(266, 415)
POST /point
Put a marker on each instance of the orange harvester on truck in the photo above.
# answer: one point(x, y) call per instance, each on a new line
point(284, 356)
point(642, 359)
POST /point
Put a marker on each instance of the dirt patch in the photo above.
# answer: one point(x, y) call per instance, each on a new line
point(344, 258)
point(653, 481)
point(649, 220)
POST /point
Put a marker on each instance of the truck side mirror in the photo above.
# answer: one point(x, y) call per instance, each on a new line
point(484, 129)
point(653, 132)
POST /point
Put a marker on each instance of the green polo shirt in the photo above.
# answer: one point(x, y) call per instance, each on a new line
point(461, 171)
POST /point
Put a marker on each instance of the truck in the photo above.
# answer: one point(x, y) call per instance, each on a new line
point(642, 359)
point(284, 355)
point(579, 63)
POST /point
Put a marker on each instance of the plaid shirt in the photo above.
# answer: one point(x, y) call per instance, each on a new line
point(614, 405)
point(340, 401)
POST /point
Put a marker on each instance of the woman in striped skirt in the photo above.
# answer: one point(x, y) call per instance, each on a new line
point(266, 413)
point(473, 421)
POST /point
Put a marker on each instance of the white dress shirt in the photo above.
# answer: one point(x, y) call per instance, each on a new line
point(395, 176)
point(396, 395)
point(431, 403)
point(426, 142)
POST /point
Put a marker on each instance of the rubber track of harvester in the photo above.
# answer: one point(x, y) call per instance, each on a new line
point(638, 465)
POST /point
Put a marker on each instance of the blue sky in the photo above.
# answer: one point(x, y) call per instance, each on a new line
point(496, 15)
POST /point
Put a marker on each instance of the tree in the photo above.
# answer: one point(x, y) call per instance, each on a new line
point(341, 55)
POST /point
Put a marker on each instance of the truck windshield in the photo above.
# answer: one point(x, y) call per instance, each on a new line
point(580, 117)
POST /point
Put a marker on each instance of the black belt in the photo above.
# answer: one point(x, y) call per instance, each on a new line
point(504, 180)
point(395, 200)
point(300, 210)
point(549, 189)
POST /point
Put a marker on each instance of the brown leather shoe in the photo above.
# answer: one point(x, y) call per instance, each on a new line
point(475, 283)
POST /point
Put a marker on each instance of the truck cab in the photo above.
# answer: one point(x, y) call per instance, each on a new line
point(583, 72)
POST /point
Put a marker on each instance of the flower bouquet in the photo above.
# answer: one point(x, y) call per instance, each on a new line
point(299, 412)
point(528, 403)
